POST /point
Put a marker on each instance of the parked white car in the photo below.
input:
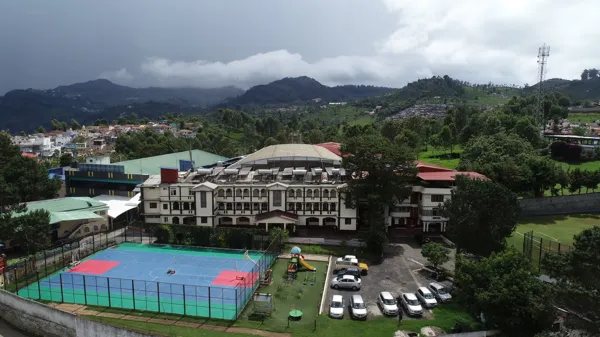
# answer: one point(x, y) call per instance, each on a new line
point(440, 292)
point(387, 303)
point(346, 281)
point(358, 309)
point(411, 304)
point(336, 309)
point(426, 297)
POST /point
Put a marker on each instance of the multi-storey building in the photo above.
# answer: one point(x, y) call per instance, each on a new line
point(290, 186)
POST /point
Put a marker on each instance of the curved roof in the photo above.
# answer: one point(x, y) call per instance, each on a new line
point(288, 152)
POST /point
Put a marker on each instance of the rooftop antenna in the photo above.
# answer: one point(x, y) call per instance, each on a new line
point(543, 54)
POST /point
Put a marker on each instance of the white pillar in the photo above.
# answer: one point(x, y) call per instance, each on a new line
point(267, 226)
point(284, 226)
point(424, 226)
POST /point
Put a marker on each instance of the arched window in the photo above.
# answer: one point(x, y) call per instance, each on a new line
point(175, 220)
point(186, 206)
point(229, 206)
point(316, 193)
point(229, 193)
point(86, 229)
point(308, 206)
point(95, 228)
point(326, 206)
point(246, 193)
point(333, 194)
point(298, 206)
point(263, 193)
point(255, 192)
point(238, 192)
point(332, 207)
point(309, 193)
point(316, 206)
point(103, 228)
point(221, 193)
point(325, 193)
point(291, 193)
point(175, 206)
point(298, 193)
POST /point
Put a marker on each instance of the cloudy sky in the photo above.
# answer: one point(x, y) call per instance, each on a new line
point(210, 43)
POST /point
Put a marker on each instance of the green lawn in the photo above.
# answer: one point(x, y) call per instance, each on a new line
point(559, 228)
point(441, 157)
point(583, 117)
point(587, 166)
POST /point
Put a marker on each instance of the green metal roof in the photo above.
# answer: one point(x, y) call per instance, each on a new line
point(56, 217)
point(65, 209)
point(152, 165)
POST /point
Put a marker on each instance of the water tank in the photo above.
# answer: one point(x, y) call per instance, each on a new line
point(318, 170)
point(335, 172)
point(230, 171)
point(204, 171)
point(265, 171)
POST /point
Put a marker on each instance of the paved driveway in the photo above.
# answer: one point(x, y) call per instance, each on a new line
point(395, 274)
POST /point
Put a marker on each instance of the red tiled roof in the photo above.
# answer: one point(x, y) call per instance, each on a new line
point(332, 146)
point(277, 213)
point(29, 155)
point(448, 176)
point(425, 167)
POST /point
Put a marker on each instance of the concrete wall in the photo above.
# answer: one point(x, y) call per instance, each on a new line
point(566, 204)
point(42, 320)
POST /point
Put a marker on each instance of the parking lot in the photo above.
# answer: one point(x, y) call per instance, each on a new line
point(399, 272)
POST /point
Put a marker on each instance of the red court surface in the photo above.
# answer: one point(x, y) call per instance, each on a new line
point(233, 278)
point(94, 267)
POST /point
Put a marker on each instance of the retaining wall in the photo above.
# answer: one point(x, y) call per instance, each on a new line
point(564, 204)
point(474, 334)
point(42, 320)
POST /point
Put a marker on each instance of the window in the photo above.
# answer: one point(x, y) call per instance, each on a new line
point(298, 206)
point(308, 207)
point(264, 206)
point(202, 199)
point(276, 198)
point(175, 220)
point(315, 206)
point(348, 221)
point(228, 193)
point(238, 206)
point(290, 206)
point(332, 194)
point(221, 206)
point(229, 206)
point(221, 193)
point(203, 219)
point(316, 193)
point(153, 205)
point(332, 207)
point(298, 193)
point(175, 206)
point(309, 193)
point(165, 206)
point(256, 206)
point(325, 193)
point(238, 192)
point(186, 206)
point(246, 193)
point(291, 193)
point(173, 192)
point(263, 193)
point(255, 192)
point(166, 219)
point(436, 212)
point(246, 206)
point(437, 198)
point(326, 207)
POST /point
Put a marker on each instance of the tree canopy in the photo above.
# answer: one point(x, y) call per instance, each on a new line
point(482, 214)
point(577, 273)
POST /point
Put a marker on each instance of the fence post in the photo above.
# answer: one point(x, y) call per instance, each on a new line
point(62, 294)
point(209, 303)
point(16, 281)
point(236, 300)
point(62, 255)
point(184, 302)
point(132, 293)
point(158, 294)
point(45, 264)
point(125, 232)
point(37, 274)
point(540, 255)
point(93, 243)
point(84, 291)
point(108, 286)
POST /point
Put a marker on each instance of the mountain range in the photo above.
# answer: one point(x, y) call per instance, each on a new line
point(102, 99)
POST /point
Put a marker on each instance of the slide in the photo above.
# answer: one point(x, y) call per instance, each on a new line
point(306, 265)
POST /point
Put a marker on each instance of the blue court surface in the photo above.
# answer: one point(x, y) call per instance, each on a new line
point(206, 282)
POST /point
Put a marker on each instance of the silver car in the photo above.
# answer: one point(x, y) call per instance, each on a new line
point(387, 303)
point(426, 297)
point(358, 309)
point(411, 304)
point(336, 309)
point(346, 281)
point(440, 292)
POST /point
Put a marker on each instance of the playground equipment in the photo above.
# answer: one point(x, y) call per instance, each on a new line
point(295, 315)
point(268, 278)
point(296, 262)
point(263, 304)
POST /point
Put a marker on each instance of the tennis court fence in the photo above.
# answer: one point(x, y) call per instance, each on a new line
point(37, 277)
point(535, 247)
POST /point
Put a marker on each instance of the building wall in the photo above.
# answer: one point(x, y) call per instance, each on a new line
point(565, 204)
point(42, 320)
point(86, 227)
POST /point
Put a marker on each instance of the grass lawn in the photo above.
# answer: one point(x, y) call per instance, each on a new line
point(586, 165)
point(583, 117)
point(441, 157)
point(559, 228)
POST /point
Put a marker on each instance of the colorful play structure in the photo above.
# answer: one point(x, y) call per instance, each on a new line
point(298, 263)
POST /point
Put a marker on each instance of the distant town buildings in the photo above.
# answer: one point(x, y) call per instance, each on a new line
point(422, 110)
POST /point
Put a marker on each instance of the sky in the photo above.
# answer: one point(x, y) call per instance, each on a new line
point(213, 43)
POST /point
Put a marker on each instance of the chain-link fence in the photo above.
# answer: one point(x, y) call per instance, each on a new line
point(44, 276)
point(535, 247)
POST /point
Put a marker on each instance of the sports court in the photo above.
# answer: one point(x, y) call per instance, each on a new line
point(193, 281)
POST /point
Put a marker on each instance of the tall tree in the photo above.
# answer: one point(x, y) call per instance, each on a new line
point(577, 273)
point(505, 288)
point(482, 214)
point(382, 175)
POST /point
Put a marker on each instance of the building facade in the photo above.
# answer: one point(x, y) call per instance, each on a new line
point(288, 186)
